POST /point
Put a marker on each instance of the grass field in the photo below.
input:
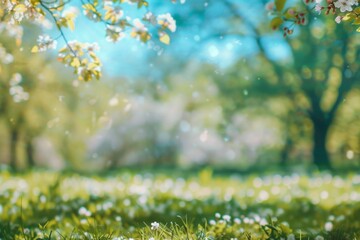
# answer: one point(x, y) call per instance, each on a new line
point(49, 205)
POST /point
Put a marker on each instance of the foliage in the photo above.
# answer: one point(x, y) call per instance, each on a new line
point(42, 111)
point(48, 205)
point(81, 56)
point(115, 16)
point(289, 17)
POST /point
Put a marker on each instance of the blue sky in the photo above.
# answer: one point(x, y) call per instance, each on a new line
point(131, 58)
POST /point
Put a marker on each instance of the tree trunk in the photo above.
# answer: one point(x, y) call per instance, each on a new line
point(30, 153)
point(320, 154)
point(14, 136)
point(285, 152)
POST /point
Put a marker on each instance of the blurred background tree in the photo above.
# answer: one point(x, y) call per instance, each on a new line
point(41, 114)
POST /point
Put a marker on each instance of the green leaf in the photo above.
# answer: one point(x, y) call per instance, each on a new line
point(357, 10)
point(35, 49)
point(75, 62)
point(165, 38)
point(349, 17)
point(20, 8)
point(276, 22)
point(280, 4)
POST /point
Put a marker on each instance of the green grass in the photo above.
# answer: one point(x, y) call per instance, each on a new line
point(49, 205)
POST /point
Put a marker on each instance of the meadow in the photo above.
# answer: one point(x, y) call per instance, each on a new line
point(167, 205)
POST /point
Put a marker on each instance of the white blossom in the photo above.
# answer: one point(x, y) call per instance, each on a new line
point(338, 19)
point(345, 5)
point(45, 42)
point(318, 8)
point(167, 21)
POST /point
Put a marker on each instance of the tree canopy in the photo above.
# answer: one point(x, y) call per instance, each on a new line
point(119, 19)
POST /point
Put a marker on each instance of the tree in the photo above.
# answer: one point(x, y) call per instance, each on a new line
point(37, 100)
point(81, 56)
point(289, 17)
point(117, 22)
point(322, 63)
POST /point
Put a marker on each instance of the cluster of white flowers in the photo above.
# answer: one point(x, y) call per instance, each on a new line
point(70, 12)
point(5, 57)
point(151, 18)
point(343, 6)
point(84, 212)
point(45, 42)
point(82, 57)
point(139, 26)
point(113, 13)
point(167, 22)
point(114, 33)
point(20, 11)
point(12, 30)
point(17, 91)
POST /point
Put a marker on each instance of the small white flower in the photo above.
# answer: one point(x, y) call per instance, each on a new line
point(212, 222)
point(291, 237)
point(227, 218)
point(338, 19)
point(18, 16)
point(237, 220)
point(217, 215)
point(319, 237)
point(45, 42)
point(263, 222)
point(84, 212)
point(15, 79)
point(345, 5)
point(149, 16)
point(114, 33)
point(328, 226)
point(155, 225)
point(139, 26)
point(71, 11)
point(167, 21)
point(91, 47)
point(113, 13)
point(318, 8)
point(270, 6)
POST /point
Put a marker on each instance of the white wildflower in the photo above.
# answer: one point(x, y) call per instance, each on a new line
point(328, 226)
point(237, 220)
point(84, 212)
point(155, 225)
point(227, 218)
